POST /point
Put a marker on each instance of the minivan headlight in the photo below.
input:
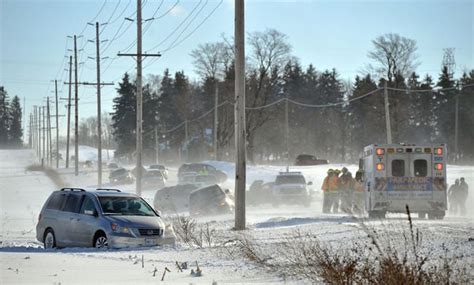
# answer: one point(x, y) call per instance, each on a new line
point(118, 229)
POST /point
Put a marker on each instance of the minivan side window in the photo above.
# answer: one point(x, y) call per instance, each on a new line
point(88, 206)
point(72, 203)
point(421, 167)
point(56, 201)
point(398, 168)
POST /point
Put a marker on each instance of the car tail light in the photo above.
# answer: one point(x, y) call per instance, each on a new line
point(380, 151)
point(380, 166)
point(439, 151)
point(114, 227)
point(438, 166)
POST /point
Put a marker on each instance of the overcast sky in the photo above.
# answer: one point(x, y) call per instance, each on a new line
point(327, 34)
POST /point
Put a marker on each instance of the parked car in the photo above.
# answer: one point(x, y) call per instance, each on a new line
point(153, 178)
point(259, 193)
point(210, 200)
point(306, 159)
point(88, 164)
point(199, 180)
point(112, 165)
point(74, 217)
point(161, 167)
point(290, 188)
point(202, 169)
point(174, 199)
point(120, 176)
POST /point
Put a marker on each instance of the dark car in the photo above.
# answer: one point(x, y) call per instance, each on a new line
point(112, 165)
point(260, 193)
point(307, 159)
point(210, 200)
point(161, 167)
point(173, 199)
point(153, 178)
point(201, 169)
point(120, 176)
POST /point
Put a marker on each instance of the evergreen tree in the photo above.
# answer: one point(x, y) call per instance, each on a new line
point(445, 108)
point(15, 132)
point(466, 118)
point(124, 118)
point(4, 117)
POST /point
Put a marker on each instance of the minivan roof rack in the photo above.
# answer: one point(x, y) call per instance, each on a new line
point(72, 189)
point(108, 189)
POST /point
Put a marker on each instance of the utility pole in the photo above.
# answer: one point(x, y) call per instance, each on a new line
point(287, 135)
point(35, 145)
point(139, 128)
point(49, 139)
point(157, 146)
point(76, 113)
point(216, 122)
point(240, 136)
point(456, 126)
point(44, 134)
point(39, 132)
point(69, 111)
point(57, 124)
point(186, 139)
point(99, 123)
point(387, 113)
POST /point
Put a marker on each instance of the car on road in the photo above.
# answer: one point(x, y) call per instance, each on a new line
point(101, 218)
point(199, 180)
point(112, 165)
point(307, 159)
point(291, 188)
point(259, 193)
point(173, 199)
point(161, 167)
point(201, 169)
point(153, 179)
point(120, 176)
point(210, 200)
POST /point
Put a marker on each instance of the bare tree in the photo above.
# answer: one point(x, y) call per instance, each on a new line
point(209, 59)
point(269, 52)
point(394, 55)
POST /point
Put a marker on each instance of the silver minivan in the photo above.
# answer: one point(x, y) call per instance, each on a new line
point(74, 217)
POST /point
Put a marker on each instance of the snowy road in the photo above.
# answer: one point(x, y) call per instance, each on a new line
point(22, 259)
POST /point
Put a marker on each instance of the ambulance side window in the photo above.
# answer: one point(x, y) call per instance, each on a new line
point(421, 167)
point(398, 168)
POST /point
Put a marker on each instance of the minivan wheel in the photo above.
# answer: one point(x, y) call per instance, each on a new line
point(49, 239)
point(101, 241)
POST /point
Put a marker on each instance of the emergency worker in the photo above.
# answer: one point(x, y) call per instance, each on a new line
point(346, 186)
point(358, 197)
point(453, 197)
point(329, 188)
point(336, 195)
point(463, 193)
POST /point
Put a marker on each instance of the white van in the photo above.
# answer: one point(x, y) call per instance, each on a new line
point(399, 175)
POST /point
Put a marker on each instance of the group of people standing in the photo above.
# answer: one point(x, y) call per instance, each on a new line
point(457, 196)
point(342, 192)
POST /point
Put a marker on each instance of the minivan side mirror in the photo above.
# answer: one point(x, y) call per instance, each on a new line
point(310, 183)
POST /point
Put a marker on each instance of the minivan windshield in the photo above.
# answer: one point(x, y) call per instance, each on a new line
point(129, 206)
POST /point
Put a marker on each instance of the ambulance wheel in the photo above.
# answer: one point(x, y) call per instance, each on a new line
point(422, 215)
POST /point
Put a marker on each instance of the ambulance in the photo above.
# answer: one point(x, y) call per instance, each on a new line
point(399, 175)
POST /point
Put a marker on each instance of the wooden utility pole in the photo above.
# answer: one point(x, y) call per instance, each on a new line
point(387, 114)
point(57, 124)
point(49, 139)
point(69, 111)
point(287, 135)
point(139, 129)
point(76, 113)
point(44, 133)
point(240, 136)
point(216, 121)
point(157, 146)
point(99, 122)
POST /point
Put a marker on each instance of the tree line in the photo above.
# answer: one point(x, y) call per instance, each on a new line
point(11, 131)
point(421, 110)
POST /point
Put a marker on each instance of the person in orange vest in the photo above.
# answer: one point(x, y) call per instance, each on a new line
point(326, 191)
point(331, 195)
point(336, 193)
point(346, 187)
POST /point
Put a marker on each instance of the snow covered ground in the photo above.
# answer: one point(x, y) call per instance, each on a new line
point(22, 259)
